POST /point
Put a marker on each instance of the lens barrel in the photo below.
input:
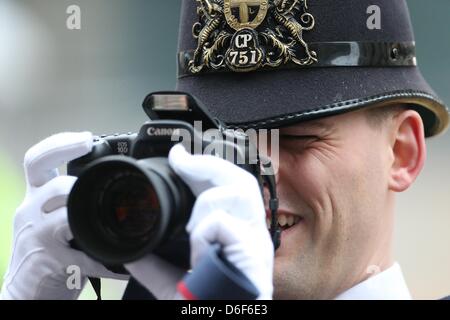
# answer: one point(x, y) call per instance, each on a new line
point(121, 209)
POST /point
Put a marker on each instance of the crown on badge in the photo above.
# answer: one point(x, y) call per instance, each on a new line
point(246, 35)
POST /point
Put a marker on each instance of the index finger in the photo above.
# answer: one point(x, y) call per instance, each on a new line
point(43, 159)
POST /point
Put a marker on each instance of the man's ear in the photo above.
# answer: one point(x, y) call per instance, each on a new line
point(408, 149)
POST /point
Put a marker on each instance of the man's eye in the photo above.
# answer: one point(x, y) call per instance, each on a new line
point(299, 138)
point(296, 141)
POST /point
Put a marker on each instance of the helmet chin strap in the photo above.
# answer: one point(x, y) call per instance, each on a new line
point(269, 179)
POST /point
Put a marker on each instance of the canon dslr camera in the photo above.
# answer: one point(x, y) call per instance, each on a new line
point(128, 202)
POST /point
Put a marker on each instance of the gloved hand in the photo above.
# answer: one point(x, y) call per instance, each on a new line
point(229, 210)
point(42, 261)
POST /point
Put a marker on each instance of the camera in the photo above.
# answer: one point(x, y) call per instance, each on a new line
point(128, 202)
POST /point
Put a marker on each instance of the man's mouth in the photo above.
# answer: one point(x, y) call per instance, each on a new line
point(284, 220)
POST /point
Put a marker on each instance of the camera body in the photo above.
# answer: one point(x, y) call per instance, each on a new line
point(128, 202)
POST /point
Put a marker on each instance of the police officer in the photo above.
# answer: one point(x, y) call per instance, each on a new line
point(353, 112)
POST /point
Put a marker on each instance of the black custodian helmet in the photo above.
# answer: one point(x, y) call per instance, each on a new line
point(272, 63)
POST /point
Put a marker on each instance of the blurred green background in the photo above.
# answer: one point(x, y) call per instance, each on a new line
point(54, 80)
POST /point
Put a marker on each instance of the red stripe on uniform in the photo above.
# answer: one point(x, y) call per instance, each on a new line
point(185, 292)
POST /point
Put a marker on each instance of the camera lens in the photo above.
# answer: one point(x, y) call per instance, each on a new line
point(121, 209)
point(128, 207)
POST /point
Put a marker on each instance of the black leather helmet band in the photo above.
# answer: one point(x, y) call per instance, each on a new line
point(330, 54)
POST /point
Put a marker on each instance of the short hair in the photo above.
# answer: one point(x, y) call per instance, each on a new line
point(377, 116)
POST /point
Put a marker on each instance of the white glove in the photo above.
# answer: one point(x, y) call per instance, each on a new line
point(229, 210)
point(157, 276)
point(42, 262)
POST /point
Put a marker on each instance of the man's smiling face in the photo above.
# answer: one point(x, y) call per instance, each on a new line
point(335, 179)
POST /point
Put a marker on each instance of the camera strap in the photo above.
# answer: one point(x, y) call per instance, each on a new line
point(97, 286)
point(270, 182)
